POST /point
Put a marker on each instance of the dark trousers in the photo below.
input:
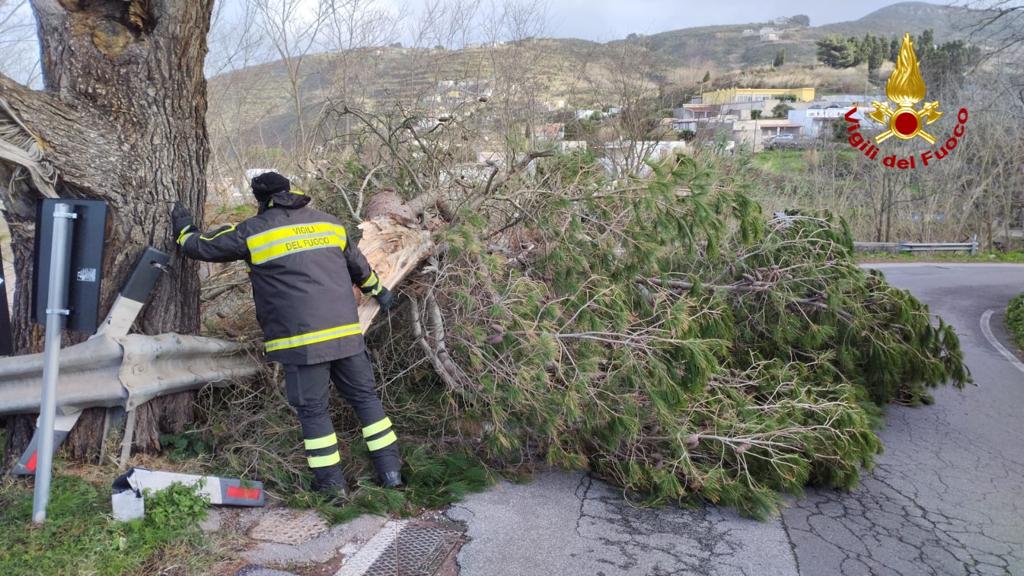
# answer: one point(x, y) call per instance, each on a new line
point(308, 390)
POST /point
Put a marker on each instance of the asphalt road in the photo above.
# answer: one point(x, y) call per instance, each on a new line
point(947, 496)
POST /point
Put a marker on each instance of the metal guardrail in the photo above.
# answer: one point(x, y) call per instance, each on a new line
point(117, 369)
point(127, 372)
point(894, 247)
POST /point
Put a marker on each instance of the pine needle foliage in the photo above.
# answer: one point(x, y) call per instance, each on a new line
point(1015, 319)
point(663, 334)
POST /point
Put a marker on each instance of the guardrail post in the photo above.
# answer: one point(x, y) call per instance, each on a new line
point(974, 245)
point(56, 315)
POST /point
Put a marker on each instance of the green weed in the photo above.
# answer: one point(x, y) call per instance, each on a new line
point(1014, 257)
point(80, 536)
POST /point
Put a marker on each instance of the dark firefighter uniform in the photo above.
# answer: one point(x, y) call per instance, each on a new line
point(302, 269)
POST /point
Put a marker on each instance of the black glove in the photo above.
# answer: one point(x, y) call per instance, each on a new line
point(385, 299)
point(181, 219)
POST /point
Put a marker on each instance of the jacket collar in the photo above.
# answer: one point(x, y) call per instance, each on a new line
point(292, 199)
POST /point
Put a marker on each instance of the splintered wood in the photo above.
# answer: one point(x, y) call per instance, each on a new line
point(393, 251)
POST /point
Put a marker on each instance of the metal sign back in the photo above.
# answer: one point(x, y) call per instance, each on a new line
point(86, 270)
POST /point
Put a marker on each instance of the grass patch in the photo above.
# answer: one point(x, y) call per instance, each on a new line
point(1015, 257)
point(1015, 319)
point(81, 537)
point(781, 161)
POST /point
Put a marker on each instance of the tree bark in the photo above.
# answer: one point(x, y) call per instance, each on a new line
point(121, 118)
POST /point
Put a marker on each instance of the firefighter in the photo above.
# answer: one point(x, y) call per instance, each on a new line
point(302, 268)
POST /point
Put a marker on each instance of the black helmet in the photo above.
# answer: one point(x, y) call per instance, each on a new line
point(269, 183)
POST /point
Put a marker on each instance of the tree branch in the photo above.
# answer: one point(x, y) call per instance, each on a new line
point(88, 149)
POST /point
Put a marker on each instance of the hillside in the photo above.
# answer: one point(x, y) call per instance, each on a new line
point(253, 105)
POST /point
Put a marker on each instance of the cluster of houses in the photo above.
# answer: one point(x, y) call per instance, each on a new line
point(743, 117)
point(749, 116)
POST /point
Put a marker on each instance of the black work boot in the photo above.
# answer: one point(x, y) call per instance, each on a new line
point(388, 465)
point(390, 479)
point(330, 482)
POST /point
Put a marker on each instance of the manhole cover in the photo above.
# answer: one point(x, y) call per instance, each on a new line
point(404, 548)
point(418, 550)
point(288, 527)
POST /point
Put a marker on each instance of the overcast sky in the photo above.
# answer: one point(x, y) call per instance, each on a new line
point(600, 20)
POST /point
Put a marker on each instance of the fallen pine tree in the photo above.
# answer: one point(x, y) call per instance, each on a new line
point(665, 337)
point(658, 332)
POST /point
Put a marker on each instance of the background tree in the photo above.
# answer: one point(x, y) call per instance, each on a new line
point(780, 59)
point(876, 56)
point(121, 118)
point(801, 20)
point(781, 110)
point(837, 52)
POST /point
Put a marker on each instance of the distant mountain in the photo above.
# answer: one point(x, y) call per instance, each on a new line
point(728, 47)
point(948, 22)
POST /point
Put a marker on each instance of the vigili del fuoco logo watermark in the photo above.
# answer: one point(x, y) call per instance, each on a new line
point(907, 121)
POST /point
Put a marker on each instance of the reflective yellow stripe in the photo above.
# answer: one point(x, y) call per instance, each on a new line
point(321, 461)
point(384, 442)
point(370, 281)
point(321, 442)
point(219, 234)
point(296, 246)
point(285, 240)
point(377, 427)
point(184, 235)
point(257, 241)
point(313, 337)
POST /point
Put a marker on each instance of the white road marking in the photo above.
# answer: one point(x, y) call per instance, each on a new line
point(364, 559)
point(986, 329)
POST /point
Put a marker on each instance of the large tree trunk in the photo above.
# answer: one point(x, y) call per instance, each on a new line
point(122, 118)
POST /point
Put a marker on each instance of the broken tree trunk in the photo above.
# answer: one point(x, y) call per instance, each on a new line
point(121, 118)
point(394, 250)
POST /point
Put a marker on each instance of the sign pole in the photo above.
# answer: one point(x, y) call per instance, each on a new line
point(6, 337)
point(56, 314)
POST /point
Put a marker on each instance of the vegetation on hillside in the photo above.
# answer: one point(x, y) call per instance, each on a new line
point(941, 64)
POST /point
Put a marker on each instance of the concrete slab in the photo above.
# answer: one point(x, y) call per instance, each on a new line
point(284, 526)
point(343, 539)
